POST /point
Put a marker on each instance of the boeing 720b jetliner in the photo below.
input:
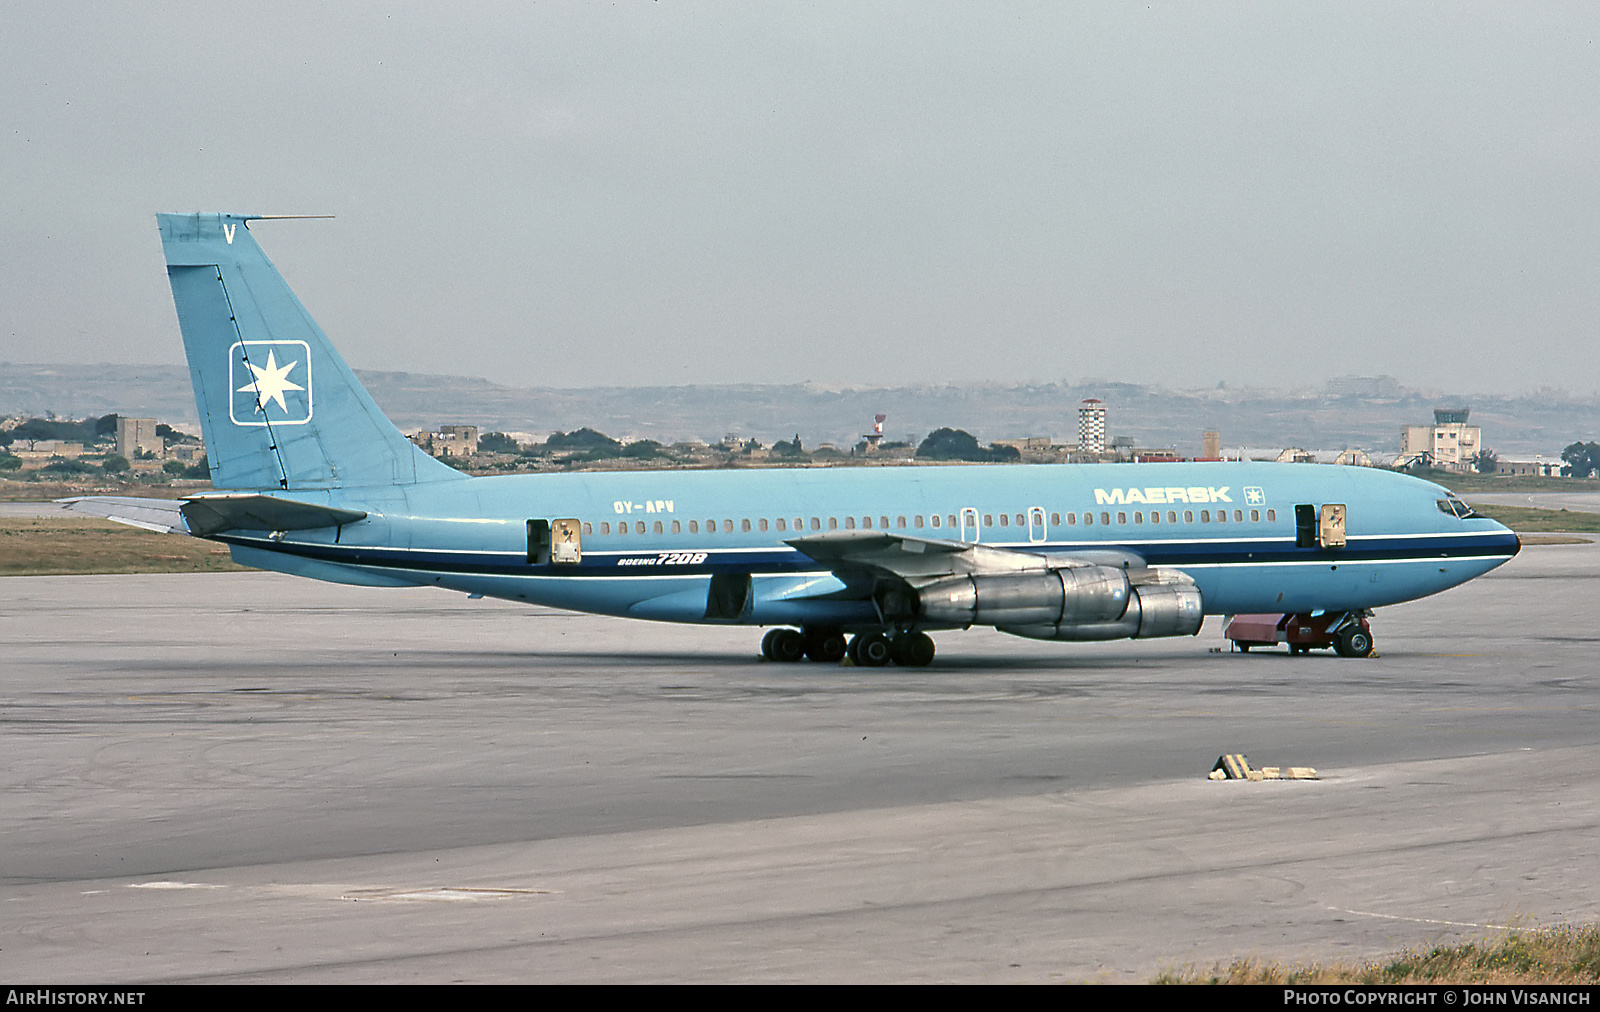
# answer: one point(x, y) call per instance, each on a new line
point(311, 479)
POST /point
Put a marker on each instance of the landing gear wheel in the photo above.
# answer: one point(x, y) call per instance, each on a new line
point(783, 645)
point(825, 646)
point(870, 650)
point(913, 650)
point(1353, 642)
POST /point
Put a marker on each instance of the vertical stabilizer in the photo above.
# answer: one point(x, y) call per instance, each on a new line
point(279, 407)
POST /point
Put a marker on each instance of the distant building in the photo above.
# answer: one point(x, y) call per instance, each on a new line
point(1092, 426)
point(449, 441)
point(1538, 467)
point(1212, 441)
point(1448, 443)
point(138, 434)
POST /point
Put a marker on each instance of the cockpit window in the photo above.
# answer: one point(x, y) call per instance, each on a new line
point(1456, 508)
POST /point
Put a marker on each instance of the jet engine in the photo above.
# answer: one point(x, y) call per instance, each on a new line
point(1076, 603)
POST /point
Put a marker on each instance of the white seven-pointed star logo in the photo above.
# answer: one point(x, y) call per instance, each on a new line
point(270, 383)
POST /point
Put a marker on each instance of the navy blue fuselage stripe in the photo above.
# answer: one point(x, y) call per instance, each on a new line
point(787, 560)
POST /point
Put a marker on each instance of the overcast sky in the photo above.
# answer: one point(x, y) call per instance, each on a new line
point(576, 194)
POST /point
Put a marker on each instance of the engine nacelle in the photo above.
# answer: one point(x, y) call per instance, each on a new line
point(1154, 609)
point(1076, 596)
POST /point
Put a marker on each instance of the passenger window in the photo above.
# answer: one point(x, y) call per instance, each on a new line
point(883, 522)
point(816, 524)
point(677, 528)
point(1272, 516)
point(605, 528)
point(849, 523)
point(711, 527)
point(1238, 516)
point(622, 528)
point(1205, 516)
point(1222, 516)
point(988, 520)
point(833, 523)
point(763, 523)
point(744, 525)
point(935, 519)
point(1138, 518)
point(1088, 518)
point(658, 529)
point(1155, 516)
point(1188, 516)
point(1022, 521)
point(639, 527)
point(694, 527)
point(1172, 516)
point(1005, 521)
point(916, 521)
point(588, 528)
point(781, 525)
point(1255, 516)
point(900, 522)
point(1122, 518)
point(953, 521)
point(727, 526)
point(866, 523)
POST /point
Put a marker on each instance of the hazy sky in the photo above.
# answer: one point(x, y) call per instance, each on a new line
point(635, 193)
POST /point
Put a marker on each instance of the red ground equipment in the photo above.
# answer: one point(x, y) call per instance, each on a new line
point(1347, 632)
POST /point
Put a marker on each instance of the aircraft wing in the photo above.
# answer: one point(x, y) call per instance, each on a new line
point(209, 513)
point(853, 555)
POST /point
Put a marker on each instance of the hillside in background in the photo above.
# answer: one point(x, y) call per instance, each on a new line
point(1344, 412)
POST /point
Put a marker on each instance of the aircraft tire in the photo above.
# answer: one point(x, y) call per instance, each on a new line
point(913, 650)
point(872, 650)
point(1353, 642)
point(783, 645)
point(825, 646)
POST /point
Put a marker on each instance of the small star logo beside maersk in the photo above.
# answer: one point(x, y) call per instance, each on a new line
point(1253, 496)
point(270, 382)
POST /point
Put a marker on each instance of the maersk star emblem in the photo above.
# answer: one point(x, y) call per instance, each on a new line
point(271, 383)
point(1254, 496)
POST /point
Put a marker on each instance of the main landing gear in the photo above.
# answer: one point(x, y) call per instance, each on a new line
point(869, 649)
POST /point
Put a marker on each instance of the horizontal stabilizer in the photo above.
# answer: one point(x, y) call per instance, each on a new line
point(204, 515)
point(209, 514)
point(163, 516)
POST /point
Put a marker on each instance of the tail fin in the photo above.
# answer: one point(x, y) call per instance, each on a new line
point(279, 407)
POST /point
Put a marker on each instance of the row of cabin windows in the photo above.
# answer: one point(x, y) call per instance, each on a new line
point(883, 523)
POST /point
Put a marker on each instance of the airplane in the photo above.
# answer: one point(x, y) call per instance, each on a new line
point(309, 478)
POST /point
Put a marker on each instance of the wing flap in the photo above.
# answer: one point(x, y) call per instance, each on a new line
point(912, 559)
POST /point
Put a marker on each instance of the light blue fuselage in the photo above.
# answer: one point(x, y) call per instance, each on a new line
point(470, 534)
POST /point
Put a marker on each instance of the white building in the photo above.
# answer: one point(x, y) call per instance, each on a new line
point(1092, 426)
point(1448, 443)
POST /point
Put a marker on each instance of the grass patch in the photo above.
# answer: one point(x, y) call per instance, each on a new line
point(1528, 518)
point(40, 546)
point(1466, 484)
point(1564, 955)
